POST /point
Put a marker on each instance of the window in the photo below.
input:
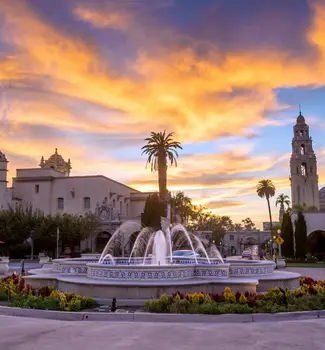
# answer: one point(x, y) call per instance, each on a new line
point(113, 203)
point(302, 150)
point(127, 209)
point(301, 133)
point(303, 169)
point(231, 237)
point(311, 169)
point(36, 188)
point(60, 203)
point(121, 207)
point(86, 202)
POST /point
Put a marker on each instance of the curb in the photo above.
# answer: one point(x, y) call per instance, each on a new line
point(154, 317)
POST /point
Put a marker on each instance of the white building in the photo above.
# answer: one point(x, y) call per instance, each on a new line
point(235, 242)
point(51, 189)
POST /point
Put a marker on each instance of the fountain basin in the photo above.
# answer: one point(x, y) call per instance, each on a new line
point(156, 273)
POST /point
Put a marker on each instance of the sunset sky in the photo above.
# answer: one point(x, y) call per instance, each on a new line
point(94, 78)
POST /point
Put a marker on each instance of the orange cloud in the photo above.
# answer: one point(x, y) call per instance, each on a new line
point(195, 96)
point(101, 19)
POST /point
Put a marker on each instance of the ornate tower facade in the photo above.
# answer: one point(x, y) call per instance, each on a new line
point(3, 180)
point(303, 167)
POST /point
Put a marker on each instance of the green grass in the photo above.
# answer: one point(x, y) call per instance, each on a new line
point(320, 264)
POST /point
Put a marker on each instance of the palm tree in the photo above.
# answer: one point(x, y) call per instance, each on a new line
point(282, 199)
point(265, 188)
point(160, 148)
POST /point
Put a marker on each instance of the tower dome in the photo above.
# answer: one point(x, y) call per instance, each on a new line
point(57, 163)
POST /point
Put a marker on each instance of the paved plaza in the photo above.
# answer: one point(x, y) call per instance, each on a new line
point(35, 334)
point(317, 273)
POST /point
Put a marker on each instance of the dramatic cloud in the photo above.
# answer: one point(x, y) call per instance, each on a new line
point(102, 20)
point(128, 68)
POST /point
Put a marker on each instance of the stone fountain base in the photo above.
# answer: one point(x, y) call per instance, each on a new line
point(129, 280)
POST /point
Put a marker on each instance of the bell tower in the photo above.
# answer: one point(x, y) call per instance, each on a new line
point(303, 167)
point(3, 180)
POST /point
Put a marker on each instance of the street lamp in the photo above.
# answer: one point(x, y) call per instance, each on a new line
point(279, 235)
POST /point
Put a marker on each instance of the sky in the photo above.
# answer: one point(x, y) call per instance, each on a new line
point(94, 78)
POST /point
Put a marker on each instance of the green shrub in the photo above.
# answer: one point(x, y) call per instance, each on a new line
point(88, 303)
point(231, 308)
point(3, 295)
point(60, 298)
point(74, 304)
point(181, 306)
point(267, 306)
point(209, 308)
point(275, 295)
point(156, 305)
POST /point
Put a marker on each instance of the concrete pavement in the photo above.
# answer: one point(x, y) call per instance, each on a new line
point(17, 333)
point(317, 273)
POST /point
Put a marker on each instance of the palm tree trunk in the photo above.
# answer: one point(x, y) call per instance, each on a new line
point(270, 214)
point(162, 176)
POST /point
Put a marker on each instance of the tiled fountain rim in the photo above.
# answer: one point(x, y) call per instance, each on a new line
point(150, 267)
point(149, 273)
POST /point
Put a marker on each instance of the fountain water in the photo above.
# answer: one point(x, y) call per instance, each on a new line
point(120, 237)
point(110, 257)
point(159, 250)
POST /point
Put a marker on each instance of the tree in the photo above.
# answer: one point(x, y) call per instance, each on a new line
point(287, 235)
point(153, 211)
point(266, 188)
point(248, 224)
point(183, 207)
point(17, 224)
point(301, 236)
point(90, 227)
point(283, 200)
point(160, 148)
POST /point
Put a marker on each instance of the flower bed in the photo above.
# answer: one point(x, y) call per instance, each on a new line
point(19, 294)
point(309, 296)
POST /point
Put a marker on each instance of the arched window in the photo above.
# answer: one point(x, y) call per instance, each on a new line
point(302, 150)
point(303, 169)
point(121, 207)
point(113, 203)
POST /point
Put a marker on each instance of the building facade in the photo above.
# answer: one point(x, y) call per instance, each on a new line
point(51, 189)
point(235, 242)
point(303, 168)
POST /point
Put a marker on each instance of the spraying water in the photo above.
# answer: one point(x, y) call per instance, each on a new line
point(181, 228)
point(109, 256)
point(120, 237)
point(159, 250)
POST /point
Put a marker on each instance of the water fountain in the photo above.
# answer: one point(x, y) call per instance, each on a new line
point(150, 269)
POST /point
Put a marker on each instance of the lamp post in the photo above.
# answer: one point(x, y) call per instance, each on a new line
point(279, 234)
point(274, 245)
point(57, 242)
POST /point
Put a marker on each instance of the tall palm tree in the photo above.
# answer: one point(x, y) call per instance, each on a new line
point(160, 148)
point(283, 200)
point(266, 188)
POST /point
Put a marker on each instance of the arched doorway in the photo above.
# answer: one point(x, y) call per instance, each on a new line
point(251, 244)
point(316, 244)
point(101, 240)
